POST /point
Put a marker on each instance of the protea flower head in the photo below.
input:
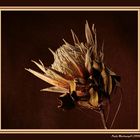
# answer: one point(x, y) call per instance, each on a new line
point(79, 73)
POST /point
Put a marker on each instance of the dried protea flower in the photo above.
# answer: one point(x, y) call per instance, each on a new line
point(79, 73)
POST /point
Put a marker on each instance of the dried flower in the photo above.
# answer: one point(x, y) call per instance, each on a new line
point(80, 74)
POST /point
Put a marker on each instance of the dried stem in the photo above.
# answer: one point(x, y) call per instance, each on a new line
point(108, 111)
point(118, 108)
point(103, 118)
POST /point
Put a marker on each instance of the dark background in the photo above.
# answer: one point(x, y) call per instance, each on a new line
point(69, 3)
point(27, 35)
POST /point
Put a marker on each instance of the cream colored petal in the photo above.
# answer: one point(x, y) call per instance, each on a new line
point(46, 79)
point(56, 89)
point(93, 97)
point(59, 77)
point(110, 85)
point(72, 86)
point(75, 38)
point(95, 36)
point(105, 79)
point(74, 64)
point(88, 34)
point(88, 61)
point(40, 66)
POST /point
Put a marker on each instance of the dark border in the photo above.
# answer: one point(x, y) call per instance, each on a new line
point(69, 136)
point(54, 136)
point(69, 3)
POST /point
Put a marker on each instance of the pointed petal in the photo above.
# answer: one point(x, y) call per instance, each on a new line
point(102, 49)
point(40, 66)
point(75, 38)
point(67, 44)
point(105, 79)
point(58, 76)
point(88, 61)
point(41, 63)
point(55, 89)
point(88, 34)
point(95, 36)
point(52, 52)
point(110, 85)
point(46, 79)
point(66, 77)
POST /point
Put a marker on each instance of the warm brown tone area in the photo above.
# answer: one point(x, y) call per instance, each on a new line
point(27, 35)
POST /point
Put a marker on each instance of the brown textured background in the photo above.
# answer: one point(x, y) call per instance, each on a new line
point(27, 35)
